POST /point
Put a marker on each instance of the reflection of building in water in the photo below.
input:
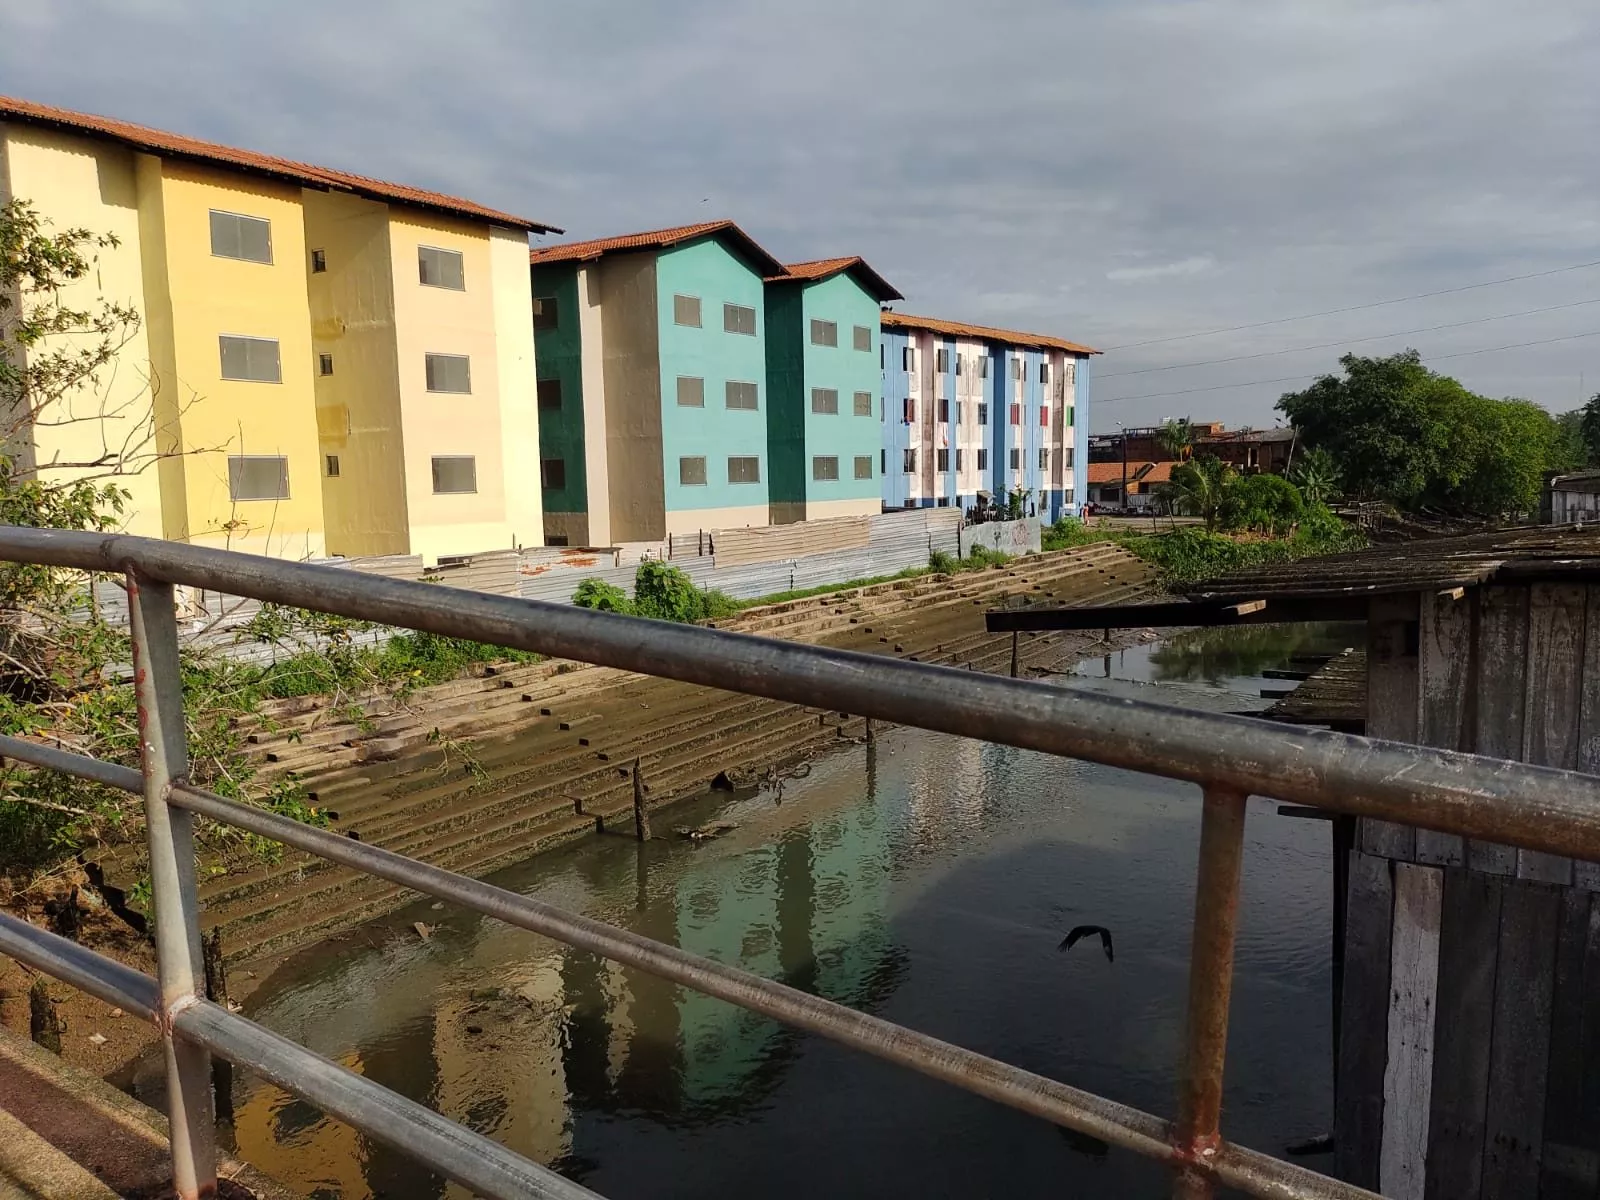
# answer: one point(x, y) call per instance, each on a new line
point(809, 910)
point(945, 788)
point(310, 1154)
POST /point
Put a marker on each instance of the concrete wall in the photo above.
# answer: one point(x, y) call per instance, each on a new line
point(630, 348)
point(895, 387)
point(81, 183)
point(786, 401)
point(714, 273)
point(560, 355)
point(845, 436)
point(358, 406)
point(515, 362)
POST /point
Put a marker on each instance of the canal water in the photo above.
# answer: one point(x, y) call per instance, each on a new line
point(928, 880)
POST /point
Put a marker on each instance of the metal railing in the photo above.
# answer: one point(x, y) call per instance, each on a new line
point(1229, 757)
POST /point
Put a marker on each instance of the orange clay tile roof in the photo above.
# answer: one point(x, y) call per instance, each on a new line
point(898, 320)
point(173, 145)
point(659, 239)
point(1110, 472)
point(1142, 474)
point(827, 268)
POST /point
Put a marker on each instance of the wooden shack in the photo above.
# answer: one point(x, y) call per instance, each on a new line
point(1467, 1013)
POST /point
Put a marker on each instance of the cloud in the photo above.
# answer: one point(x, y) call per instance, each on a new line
point(1025, 172)
point(1185, 266)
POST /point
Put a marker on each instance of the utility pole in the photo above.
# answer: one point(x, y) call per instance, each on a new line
point(1124, 429)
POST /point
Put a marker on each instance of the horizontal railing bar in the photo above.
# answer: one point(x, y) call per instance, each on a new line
point(433, 1140)
point(1014, 1087)
point(1537, 808)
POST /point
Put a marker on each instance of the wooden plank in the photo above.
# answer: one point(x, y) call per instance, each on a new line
point(1413, 992)
point(1392, 637)
point(1444, 664)
point(1570, 1169)
point(1519, 1046)
point(1552, 701)
point(1363, 1017)
point(1498, 693)
point(1469, 941)
point(1588, 874)
point(1588, 1049)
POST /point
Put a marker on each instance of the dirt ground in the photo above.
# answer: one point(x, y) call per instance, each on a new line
point(84, 1020)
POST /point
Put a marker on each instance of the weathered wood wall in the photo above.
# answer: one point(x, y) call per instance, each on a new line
point(1469, 1042)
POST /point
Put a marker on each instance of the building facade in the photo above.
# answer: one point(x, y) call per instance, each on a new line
point(824, 389)
point(325, 364)
point(970, 409)
point(653, 394)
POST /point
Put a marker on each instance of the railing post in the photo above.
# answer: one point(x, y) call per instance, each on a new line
point(1216, 917)
point(164, 757)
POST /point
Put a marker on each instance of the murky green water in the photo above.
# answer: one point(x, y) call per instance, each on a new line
point(928, 880)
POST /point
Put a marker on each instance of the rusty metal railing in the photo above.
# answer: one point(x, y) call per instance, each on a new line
point(1229, 757)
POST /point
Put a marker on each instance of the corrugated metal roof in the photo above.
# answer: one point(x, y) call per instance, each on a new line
point(827, 268)
point(1527, 552)
point(174, 145)
point(658, 239)
point(1038, 341)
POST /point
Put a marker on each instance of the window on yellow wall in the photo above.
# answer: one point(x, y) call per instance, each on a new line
point(319, 261)
point(449, 373)
point(234, 235)
point(331, 465)
point(258, 477)
point(252, 359)
point(454, 474)
point(441, 268)
point(324, 364)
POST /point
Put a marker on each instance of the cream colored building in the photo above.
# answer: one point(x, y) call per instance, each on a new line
point(326, 364)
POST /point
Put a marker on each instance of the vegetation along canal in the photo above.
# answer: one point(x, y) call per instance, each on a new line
point(927, 879)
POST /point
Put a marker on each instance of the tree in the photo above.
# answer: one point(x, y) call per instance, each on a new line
point(1267, 503)
point(1201, 488)
point(1316, 475)
point(1589, 428)
point(1396, 431)
point(1176, 437)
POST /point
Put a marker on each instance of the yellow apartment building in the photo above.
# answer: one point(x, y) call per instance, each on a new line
point(326, 364)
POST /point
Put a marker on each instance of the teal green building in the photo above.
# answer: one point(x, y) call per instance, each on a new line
point(653, 384)
point(824, 389)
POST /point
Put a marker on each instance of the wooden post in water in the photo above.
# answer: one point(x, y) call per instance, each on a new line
point(44, 1027)
point(641, 818)
point(871, 737)
point(1014, 636)
point(217, 992)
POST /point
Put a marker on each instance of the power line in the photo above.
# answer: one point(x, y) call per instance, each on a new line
point(1208, 362)
point(1219, 387)
point(1329, 312)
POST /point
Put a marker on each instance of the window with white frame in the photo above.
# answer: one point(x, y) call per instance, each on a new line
point(824, 333)
point(863, 338)
point(864, 466)
point(744, 469)
point(738, 318)
point(234, 235)
point(448, 373)
point(825, 401)
point(741, 395)
point(437, 267)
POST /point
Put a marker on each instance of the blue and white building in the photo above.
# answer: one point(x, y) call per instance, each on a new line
point(970, 408)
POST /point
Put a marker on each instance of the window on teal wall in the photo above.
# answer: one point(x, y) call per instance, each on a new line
point(825, 468)
point(692, 471)
point(553, 473)
point(549, 395)
point(863, 336)
point(692, 392)
point(863, 466)
point(546, 313)
point(741, 395)
point(736, 318)
point(825, 400)
point(686, 310)
point(863, 404)
point(824, 333)
point(744, 469)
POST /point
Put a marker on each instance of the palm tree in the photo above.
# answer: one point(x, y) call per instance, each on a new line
point(1175, 437)
point(1202, 487)
point(1316, 475)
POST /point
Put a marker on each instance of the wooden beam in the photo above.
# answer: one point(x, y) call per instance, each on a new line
point(1175, 614)
point(1246, 608)
point(1413, 995)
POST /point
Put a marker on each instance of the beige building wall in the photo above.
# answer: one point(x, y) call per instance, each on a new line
point(209, 296)
point(79, 182)
point(358, 405)
point(633, 403)
point(519, 405)
point(445, 321)
point(821, 510)
point(692, 520)
point(596, 530)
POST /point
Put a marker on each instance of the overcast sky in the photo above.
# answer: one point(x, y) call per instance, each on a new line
point(1112, 171)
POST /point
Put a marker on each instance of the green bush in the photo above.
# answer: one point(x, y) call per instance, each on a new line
point(603, 596)
point(941, 562)
point(1266, 503)
point(666, 593)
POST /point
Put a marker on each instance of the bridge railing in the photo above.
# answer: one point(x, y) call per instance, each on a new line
point(1229, 757)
